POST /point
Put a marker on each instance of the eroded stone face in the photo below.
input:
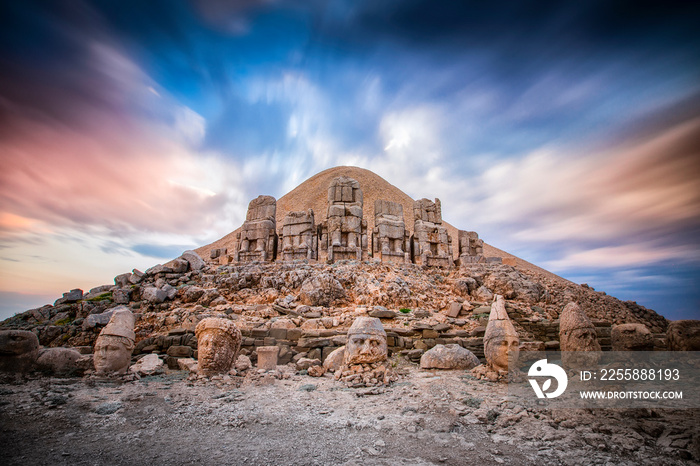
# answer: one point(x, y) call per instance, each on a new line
point(19, 350)
point(683, 335)
point(112, 354)
point(576, 331)
point(218, 343)
point(502, 349)
point(366, 342)
point(631, 337)
point(501, 342)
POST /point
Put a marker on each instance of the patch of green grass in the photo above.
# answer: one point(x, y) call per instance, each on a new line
point(479, 316)
point(62, 322)
point(106, 296)
point(404, 310)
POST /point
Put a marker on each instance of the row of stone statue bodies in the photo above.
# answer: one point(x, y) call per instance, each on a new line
point(343, 235)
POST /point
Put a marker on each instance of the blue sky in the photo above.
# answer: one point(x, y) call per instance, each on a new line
point(564, 133)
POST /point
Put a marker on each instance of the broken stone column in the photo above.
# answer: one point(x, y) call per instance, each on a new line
point(344, 233)
point(115, 343)
point(578, 340)
point(267, 357)
point(299, 237)
point(390, 240)
point(471, 248)
point(218, 343)
point(19, 350)
point(257, 240)
point(501, 342)
point(431, 244)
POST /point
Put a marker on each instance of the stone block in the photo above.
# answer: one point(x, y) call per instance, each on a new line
point(430, 333)
point(278, 333)
point(267, 357)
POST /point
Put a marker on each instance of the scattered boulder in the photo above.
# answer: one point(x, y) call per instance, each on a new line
point(196, 262)
point(450, 356)
point(150, 364)
point(60, 362)
point(381, 312)
point(316, 371)
point(179, 265)
point(334, 360)
point(73, 296)
point(483, 294)
point(93, 320)
point(631, 337)
point(305, 363)
point(321, 290)
point(19, 350)
point(153, 295)
point(243, 363)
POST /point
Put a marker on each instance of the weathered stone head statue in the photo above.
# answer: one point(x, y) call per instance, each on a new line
point(576, 331)
point(683, 335)
point(19, 350)
point(501, 343)
point(218, 342)
point(366, 342)
point(578, 340)
point(115, 344)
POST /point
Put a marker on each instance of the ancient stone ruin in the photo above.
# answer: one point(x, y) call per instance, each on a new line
point(257, 240)
point(299, 236)
point(471, 248)
point(431, 244)
point(344, 233)
point(115, 344)
point(390, 239)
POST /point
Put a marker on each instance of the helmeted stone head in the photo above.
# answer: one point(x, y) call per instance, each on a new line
point(501, 342)
point(218, 342)
point(19, 350)
point(366, 342)
point(115, 343)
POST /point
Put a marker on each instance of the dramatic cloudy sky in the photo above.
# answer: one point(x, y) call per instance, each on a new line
point(566, 133)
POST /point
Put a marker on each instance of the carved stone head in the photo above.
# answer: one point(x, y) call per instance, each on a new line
point(576, 331)
point(683, 335)
point(19, 350)
point(501, 342)
point(366, 342)
point(218, 342)
point(115, 343)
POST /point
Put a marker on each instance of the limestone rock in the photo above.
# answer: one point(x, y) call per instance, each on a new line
point(150, 364)
point(243, 363)
point(381, 312)
point(321, 290)
point(631, 337)
point(180, 265)
point(450, 356)
point(316, 371)
point(334, 360)
point(19, 350)
point(483, 294)
point(60, 361)
point(153, 295)
point(683, 335)
point(305, 363)
point(93, 320)
point(187, 364)
point(267, 357)
point(192, 258)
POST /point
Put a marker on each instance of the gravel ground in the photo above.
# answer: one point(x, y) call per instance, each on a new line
point(428, 417)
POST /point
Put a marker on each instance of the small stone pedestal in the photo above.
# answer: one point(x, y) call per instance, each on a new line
point(267, 357)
